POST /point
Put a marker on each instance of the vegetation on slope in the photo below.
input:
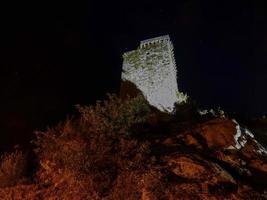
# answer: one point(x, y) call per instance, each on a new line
point(124, 149)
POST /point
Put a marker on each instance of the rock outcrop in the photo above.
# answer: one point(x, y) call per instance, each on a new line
point(208, 159)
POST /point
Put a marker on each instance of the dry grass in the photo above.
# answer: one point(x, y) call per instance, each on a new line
point(13, 168)
point(93, 149)
point(100, 156)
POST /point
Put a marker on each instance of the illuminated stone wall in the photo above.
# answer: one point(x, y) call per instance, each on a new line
point(151, 67)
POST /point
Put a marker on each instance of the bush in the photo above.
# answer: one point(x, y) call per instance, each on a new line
point(13, 168)
point(95, 147)
point(186, 110)
point(115, 115)
point(127, 186)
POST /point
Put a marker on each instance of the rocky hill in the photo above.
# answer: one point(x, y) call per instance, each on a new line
point(124, 149)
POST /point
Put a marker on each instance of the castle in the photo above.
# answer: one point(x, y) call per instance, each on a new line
point(152, 69)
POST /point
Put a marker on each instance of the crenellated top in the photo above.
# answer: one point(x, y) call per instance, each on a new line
point(151, 67)
point(164, 38)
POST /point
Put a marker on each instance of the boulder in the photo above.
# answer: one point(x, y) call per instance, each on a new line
point(186, 168)
point(218, 133)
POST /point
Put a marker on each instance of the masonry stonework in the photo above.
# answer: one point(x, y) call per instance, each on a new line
point(151, 67)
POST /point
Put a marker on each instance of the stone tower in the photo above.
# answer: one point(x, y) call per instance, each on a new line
point(152, 69)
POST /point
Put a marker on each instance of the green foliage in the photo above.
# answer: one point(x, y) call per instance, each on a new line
point(133, 58)
point(115, 115)
point(182, 97)
point(94, 147)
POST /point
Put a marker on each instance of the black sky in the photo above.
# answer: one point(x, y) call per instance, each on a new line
point(55, 54)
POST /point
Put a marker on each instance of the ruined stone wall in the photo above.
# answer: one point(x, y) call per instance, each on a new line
point(151, 67)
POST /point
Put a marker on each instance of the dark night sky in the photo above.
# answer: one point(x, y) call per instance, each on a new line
point(55, 54)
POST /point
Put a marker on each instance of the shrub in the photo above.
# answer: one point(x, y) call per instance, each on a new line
point(13, 168)
point(65, 151)
point(127, 186)
point(93, 147)
point(115, 115)
point(186, 110)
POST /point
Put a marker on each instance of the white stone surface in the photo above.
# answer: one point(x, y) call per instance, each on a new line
point(241, 137)
point(151, 67)
point(216, 113)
